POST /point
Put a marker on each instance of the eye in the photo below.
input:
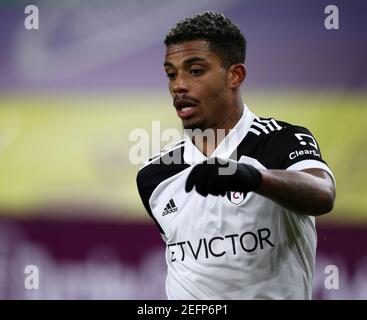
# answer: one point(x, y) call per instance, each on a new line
point(171, 75)
point(196, 72)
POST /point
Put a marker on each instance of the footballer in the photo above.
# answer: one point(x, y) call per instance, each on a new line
point(237, 211)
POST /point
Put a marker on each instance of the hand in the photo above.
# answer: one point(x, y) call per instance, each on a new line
point(209, 177)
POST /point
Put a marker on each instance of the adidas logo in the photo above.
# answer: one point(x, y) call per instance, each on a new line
point(170, 208)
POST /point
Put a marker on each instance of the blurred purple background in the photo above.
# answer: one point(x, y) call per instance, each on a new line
point(114, 45)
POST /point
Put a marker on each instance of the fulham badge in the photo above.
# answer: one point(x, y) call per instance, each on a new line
point(236, 197)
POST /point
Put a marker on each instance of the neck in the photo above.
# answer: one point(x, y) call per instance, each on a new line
point(209, 140)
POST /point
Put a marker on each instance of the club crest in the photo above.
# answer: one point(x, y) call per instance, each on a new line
point(236, 197)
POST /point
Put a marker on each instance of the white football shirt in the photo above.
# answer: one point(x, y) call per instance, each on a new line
point(241, 246)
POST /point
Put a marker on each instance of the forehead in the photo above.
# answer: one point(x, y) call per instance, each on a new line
point(178, 53)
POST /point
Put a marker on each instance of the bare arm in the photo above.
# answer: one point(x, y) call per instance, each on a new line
point(309, 192)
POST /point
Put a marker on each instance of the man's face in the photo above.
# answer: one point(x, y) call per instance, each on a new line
point(198, 84)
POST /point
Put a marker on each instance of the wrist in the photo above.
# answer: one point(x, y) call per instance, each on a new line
point(250, 178)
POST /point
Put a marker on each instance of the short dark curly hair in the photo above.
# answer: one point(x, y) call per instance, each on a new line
point(224, 37)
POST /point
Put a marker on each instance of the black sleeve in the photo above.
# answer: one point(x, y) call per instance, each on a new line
point(294, 144)
point(146, 186)
point(150, 176)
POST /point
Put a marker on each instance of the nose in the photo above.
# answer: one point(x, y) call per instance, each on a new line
point(179, 85)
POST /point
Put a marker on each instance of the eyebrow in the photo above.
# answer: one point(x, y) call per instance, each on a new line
point(188, 61)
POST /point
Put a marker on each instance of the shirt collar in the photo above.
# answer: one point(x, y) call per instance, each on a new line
point(228, 145)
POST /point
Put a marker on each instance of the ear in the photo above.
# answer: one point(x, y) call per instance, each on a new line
point(236, 75)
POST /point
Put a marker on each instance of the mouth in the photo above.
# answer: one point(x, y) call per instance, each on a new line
point(185, 108)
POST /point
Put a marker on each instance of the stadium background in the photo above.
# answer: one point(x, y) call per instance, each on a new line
point(72, 92)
